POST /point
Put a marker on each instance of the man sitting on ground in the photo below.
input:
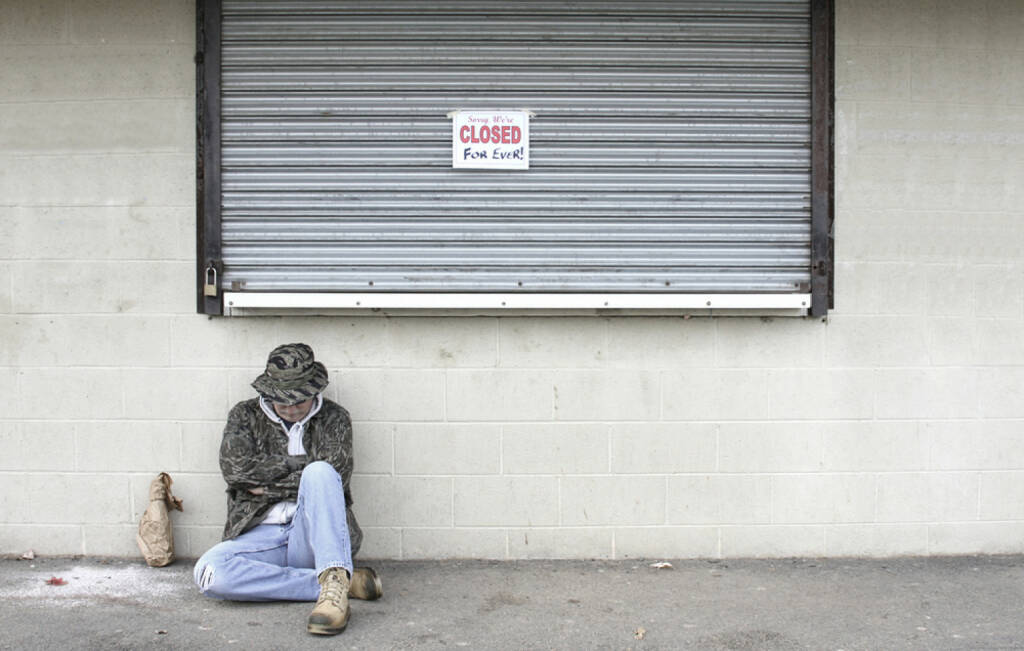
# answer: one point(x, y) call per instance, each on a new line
point(290, 534)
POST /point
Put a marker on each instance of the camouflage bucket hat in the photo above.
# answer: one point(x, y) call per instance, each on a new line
point(292, 375)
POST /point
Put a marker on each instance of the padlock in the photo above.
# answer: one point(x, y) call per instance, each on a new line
point(210, 288)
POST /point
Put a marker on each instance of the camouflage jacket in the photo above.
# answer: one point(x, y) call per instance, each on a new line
point(254, 454)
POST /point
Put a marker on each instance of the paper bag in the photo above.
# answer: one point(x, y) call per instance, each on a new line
point(155, 538)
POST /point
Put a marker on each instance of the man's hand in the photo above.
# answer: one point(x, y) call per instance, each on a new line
point(257, 491)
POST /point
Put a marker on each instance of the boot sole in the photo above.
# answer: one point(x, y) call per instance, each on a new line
point(323, 629)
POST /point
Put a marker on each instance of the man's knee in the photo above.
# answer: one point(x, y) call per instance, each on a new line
point(320, 471)
point(209, 568)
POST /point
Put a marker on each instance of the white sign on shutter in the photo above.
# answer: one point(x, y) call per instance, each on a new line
point(491, 140)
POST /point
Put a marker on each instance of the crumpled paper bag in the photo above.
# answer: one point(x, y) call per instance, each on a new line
point(155, 538)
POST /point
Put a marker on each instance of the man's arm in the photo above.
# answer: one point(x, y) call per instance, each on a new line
point(242, 465)
point(333, 444)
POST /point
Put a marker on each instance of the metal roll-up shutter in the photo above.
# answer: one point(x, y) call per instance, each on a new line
point(670, 147)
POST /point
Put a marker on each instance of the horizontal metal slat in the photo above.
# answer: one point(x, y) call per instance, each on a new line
point(542, 129)
point(518, 7)
point(509, 79)
point(791, 107)
point(764, 56)
point(256, 228)
point(533, 181)
point(439, 155)
point(515, 254)
point(492, 204)
point(453, 28)
point(525, 279)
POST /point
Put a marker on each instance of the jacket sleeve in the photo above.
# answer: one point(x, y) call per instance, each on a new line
point(334, 445)
point(241, 462)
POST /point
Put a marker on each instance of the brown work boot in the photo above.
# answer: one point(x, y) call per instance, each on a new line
point(330, 616)
point(365, 585)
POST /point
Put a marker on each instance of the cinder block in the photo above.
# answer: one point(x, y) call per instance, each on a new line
point(197, 340)
point(373, 445)
point(927, 393)
point(191, 542)
point(45, 21)
point(83, 127)
point(139, 179)
point(1001, 392)
point(94, 340)
point(952, 342)
point(950, 290)
point(865, 288)
point(135, 446)
point(770, 447)
point(661, 342)
point(1002, 495)
point(711, 395)
point(400, 395)
point(830, 394)
point(382, 501)
point(854, 446)
point(769, 342)
point(447, 449)
point(6, 288)
point(175, 394)
point(975, 445)
point(565, 342)
point(37, 445)
point(506, 501)
point(239, 386)
point(459, 542)
point(200, 446)
point(442, 342)
point(339, 342)
point(83, 394)
point(1000, 342)
point(940, 72)
point(612, 500)
point(604, 395)
point(202, 496)
point(54, 287)
point(772, 541)
point(719, 499)
point(158, 287)
point(879, 23)
point(496, 395)
point(999, 291)
point(562, 542)
point(976, 538)
point(114, 540)
point(559, 449)
point(814, 499)
point(648, 448)
point(871, 74)
point(927, 497)
point(64, 498)
point(876, 540)
point(131, 21)
point(380, 542)
point(666, 542)
point(50, 539)
point(873, 341)
point(47, 72)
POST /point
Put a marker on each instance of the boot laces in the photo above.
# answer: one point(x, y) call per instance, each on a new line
point(332, 590)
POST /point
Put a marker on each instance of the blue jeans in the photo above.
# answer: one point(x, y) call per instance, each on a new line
point(281, 562)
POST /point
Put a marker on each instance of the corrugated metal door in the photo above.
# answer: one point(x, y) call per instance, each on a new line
point(670, 148)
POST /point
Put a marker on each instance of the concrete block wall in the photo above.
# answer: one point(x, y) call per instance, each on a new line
point(896, 427)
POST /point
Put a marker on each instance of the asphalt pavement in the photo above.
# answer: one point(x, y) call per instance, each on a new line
point(904, 603)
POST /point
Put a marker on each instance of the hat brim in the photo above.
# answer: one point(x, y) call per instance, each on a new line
point(293, 393)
